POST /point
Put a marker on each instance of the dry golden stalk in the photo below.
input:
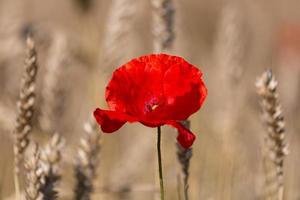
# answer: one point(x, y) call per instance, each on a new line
point(163, 24)
point(33, 176)
point(87, 161)
point(184, 156)
point(119, 24)
point(52, 93)
point(230, 44)
point(25, 104)
point(276, 147)
point(229, 50)
point(50, 158)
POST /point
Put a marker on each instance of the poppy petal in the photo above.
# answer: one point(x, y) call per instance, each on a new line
point(133, 85)
point(110, 121)
point(185, 137)
point(184, 90)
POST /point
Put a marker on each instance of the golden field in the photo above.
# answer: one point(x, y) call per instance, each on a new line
point(80, 43)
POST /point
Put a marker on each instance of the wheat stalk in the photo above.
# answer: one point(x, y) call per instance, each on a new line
point(33, 176)
point(163, 25)
point(230, 45)
point(50, 158)
point(276, 147)
point(52, 93)
point(87, 161)
point(229, 50)
point(184, 156)
point(119, 24)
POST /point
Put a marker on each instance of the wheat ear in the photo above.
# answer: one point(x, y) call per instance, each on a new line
point(50, 158)
point(25, 106)
point(87, 161)
point(276, 147)
point(33, 176)
point(163, 25)
point(184, 156)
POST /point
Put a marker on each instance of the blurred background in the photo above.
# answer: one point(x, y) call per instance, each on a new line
point(79, 44)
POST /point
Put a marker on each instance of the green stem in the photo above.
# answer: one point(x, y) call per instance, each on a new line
point(161, 179)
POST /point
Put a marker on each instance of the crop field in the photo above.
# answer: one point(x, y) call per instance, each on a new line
point(226, 71)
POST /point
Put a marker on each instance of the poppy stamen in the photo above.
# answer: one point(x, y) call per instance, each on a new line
point(154, 107)
point(150, 107)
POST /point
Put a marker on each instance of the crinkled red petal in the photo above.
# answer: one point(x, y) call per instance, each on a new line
point(111, 121)
point(132, 85)
point(184, 90)
point(185, 137)
point(171, 82)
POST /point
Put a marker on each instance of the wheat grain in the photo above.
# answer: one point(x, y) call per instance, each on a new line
point(276, 147)
point(50, 158)
point(33, 176)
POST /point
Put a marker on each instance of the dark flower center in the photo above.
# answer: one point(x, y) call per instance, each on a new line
point(151, 105)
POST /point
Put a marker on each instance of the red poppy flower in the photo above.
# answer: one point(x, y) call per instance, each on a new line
point(153, 90)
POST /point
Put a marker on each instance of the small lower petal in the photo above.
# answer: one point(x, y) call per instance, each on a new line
point(110, 121)
point(185, 137)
